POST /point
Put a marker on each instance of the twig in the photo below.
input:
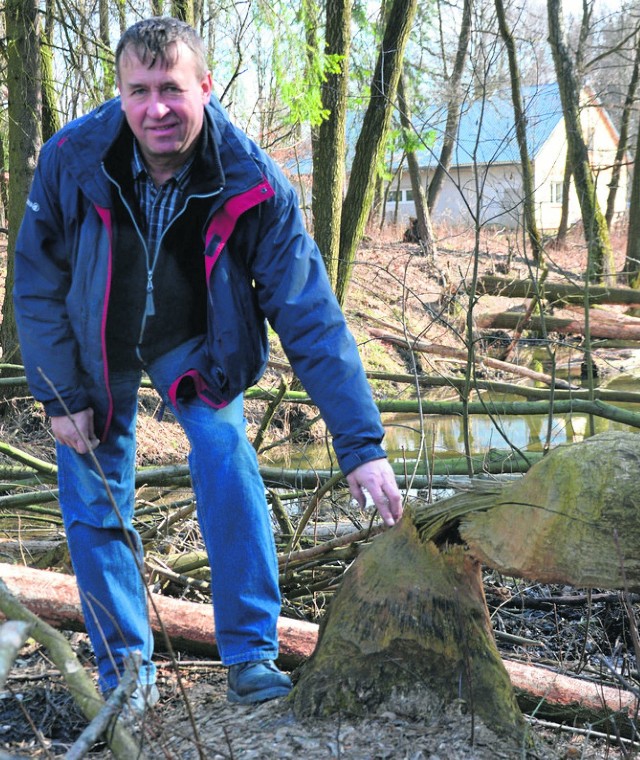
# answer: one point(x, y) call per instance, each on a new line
point(13, 634)
point(83, 691)
point(139, 564)
point(92, 733)
point(289, 558)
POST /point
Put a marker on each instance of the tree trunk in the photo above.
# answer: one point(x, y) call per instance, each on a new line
point(600, 325)
point(563, 226)
point(623, 137)
point(423, 218)
point(25, 117)
point(415, 633)
point(453, 109)
point(410, 635)
point(520, 118)
point(183, 9)
point(54, 598)
point(632, 260)
point(600, 265)
point(108, 70)
point(574, 518)
point(50, 113)
point(371, 141)
point(329, 142)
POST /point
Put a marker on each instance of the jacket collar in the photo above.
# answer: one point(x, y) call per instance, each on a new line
point(88, 144)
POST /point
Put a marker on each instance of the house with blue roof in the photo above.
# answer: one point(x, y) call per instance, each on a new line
point(484, 182)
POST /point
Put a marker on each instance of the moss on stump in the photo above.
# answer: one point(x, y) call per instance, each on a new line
point(409, 631)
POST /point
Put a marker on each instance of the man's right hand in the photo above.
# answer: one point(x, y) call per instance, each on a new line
point(76, 431)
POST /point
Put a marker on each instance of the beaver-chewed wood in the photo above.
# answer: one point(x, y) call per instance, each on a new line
point(409, 631)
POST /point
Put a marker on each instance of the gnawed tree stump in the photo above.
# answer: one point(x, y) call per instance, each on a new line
point(409, 631)
point(574, 518)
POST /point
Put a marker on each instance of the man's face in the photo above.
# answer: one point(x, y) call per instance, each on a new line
point(164, 106)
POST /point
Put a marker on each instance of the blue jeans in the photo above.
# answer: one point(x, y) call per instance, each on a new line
point(106, 551)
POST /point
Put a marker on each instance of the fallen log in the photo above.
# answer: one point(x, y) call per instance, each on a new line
point(573, 519)
point(54, 598)
point(555, 291)
point(554, 695)
point(611, 327)
point(459, 353)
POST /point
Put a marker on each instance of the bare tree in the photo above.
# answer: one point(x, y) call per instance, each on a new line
point(25, 138)
point(423, 217)
point(623, 142)
point(50, 112)
point(329, 140)
point(600, 255)
point(520, 118)
point(371, 140)
point(453, 107)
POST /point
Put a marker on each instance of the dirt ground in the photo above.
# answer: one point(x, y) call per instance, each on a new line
point(392, 286)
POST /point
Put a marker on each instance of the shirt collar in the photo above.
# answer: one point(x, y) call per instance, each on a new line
point(139, 170)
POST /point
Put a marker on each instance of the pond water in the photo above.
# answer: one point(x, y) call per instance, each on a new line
point(443, 436)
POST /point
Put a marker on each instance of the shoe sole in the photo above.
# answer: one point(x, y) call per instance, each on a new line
point(256, 697)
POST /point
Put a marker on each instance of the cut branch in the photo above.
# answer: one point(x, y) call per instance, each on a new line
point(599, 325)
point(122, 744)
point(462, 354)
point(554, 292)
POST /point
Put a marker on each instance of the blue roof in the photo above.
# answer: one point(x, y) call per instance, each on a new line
point(487, 133)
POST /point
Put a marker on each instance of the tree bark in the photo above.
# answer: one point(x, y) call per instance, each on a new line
point(623, 135)
point(25, 138)
point(50, 112)
point(54, 598)
point(600, 325)
point(563, 226)
point(184, 10)
point(574, 518)
point(555, 292)
point(413, 635)
point(600, 265)
point(423, 217)
point(453, 109)
point(520, 118)
point(329, 141)
point(371, 140)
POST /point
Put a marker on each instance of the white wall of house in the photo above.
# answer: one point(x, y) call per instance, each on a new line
point(500, 186)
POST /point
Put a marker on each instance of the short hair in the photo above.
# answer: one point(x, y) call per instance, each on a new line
point(155, 40)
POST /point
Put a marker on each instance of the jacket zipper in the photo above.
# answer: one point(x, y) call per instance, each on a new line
point(150, 309)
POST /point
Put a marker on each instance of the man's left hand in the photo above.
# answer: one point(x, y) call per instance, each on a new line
point(379, 480)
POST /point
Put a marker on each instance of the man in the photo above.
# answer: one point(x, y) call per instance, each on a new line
point(157, 238)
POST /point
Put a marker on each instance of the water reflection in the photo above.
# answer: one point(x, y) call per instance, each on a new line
point(444, 436)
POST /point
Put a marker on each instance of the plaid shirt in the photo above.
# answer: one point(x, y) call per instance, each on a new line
point(158, 207)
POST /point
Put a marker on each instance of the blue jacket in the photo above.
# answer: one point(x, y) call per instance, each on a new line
point(260, 263)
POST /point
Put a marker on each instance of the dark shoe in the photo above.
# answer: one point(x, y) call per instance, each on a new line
point(256, 681)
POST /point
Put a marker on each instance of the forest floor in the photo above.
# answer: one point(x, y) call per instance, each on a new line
point(393, 287)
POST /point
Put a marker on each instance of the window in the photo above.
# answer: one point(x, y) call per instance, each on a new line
point(394, 195)
point(408, 195)
point(556, 192)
